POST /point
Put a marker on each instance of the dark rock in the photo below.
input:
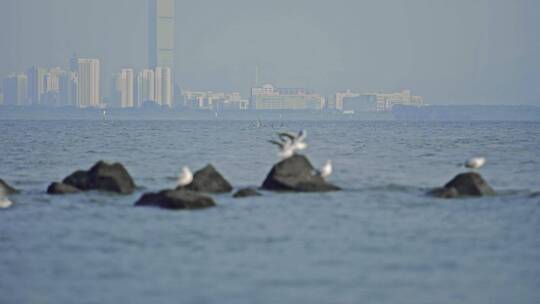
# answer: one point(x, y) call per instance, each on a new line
point(296, 174)
point(6, 189)
point(104, 177)
point(444, 192)
point(175, 200)
point(208, 180)
point(61, 188)
point(463, 185)
point(246, 192)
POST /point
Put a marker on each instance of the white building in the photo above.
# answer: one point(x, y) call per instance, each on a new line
point(88, 91)
point(163, 86)
point(16, 90)
point(124, 87)
point(145, 87)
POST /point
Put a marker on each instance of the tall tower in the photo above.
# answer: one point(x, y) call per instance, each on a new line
point(88, 93)
point(161, 33)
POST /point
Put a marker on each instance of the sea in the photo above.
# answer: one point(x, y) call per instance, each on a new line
point(380, 240)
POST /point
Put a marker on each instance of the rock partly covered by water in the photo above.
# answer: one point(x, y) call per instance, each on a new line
point(463, 185)
point(247, 192)
point(208, 180)
point(296, 174)
point(6, 189)
point(102, 176)
point(176, 200)
point(61, 188)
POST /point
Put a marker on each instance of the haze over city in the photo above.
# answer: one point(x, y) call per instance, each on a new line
point(458, 52)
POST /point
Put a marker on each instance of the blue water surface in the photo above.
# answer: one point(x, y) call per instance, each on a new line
point(381, 240)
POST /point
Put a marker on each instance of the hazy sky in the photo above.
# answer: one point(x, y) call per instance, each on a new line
point(459, 51)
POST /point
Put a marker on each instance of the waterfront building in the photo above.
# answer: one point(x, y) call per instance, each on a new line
point(215, 101)
point(36, 84)
point(16, 90)
point(145, 87)
point(349, 101)
point(268, 97)
point(163, 86)
point(88, 91)
point(124, 88)
point(68, 89)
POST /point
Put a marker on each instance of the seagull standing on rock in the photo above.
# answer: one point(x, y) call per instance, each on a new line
point(326, 170)
point(475, 163)
point(185, 178)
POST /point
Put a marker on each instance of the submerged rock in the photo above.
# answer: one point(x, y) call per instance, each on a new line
point(296, 174)
point(463, 185)
point(175, 200)
point(6, 189)
point(102, 176)
point(61, 188)
point(208, 180)
point(247, 192)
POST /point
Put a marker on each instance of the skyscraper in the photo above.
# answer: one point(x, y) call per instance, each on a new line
point(163, 86)
point(15, 90)
point(145, 87)
point(68, 89)
point(161, 33)
point(88, 91)
point(124, 87)
point(36, 84)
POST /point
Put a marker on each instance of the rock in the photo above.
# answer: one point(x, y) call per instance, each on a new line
point(246, 192)
point(444, 192)
point(463, 185)
point(6, 189)
point(175, 200)
point(208, 180)
point(104, 177)
point(61, 188)
point(296, 174)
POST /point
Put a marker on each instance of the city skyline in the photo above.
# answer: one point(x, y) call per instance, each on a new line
point(492, 60)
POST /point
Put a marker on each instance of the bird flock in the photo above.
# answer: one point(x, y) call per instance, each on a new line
point(289, 143)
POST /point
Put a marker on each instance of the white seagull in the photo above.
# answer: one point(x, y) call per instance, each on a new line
point(5, 203)
point(185, 178)
point(297, 140)
point(286, 148)
point(326, 170)
point(475, 163)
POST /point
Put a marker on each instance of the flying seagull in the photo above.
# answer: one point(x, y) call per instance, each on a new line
point(286, 149)
point(475, 163)
point(297, 140)
point(185, 178)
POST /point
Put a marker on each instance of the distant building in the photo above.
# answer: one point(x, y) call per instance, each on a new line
point(163, 86)
point(36, 84)
point(350, 102)
point(125, 89)
point(268, 97)
point(88, 91)
point(161, 33)
point(68, 89)
point(145, 87)
point(16, 90)
point(215, 101)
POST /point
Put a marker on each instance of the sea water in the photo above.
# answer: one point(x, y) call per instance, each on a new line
point(380, 240)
